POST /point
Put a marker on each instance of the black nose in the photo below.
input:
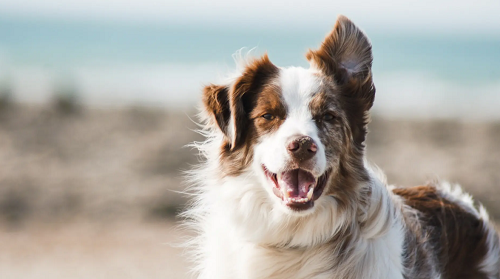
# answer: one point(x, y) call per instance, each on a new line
point(302, 148)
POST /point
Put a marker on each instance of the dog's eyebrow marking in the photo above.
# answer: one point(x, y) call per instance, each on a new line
point(323, 101)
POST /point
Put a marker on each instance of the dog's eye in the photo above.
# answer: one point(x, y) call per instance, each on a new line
point(328, 117)
point(268, 116)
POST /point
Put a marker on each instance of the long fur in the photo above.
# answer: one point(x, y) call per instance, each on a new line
point(360, 226)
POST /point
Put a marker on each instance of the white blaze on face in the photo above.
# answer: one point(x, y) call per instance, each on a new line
point(298, 85)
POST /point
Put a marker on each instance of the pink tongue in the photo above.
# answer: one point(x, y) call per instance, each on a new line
point(296, 182)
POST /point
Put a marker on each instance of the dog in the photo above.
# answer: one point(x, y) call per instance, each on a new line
point(284, 190)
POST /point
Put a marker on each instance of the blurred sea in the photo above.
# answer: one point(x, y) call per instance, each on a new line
point(113, 64)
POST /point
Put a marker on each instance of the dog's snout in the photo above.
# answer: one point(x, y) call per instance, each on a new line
point(302, 148)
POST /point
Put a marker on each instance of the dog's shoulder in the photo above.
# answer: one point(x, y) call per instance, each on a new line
point(460, 233)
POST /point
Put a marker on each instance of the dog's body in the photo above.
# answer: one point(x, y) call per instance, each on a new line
point(285, 192)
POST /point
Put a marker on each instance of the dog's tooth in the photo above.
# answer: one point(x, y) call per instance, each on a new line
point(310, 193)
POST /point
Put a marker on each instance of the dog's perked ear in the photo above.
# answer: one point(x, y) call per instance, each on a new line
point(232, 105)
point(346, 56)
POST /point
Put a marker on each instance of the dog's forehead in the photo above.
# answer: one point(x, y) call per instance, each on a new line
point(299, 85)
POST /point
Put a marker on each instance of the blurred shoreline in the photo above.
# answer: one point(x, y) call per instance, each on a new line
point(417, 73)
point(65, 161)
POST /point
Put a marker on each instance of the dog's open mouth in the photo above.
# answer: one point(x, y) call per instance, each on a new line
point(297, 188)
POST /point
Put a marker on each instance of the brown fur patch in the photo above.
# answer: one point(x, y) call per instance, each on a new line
point(344, 158)
point(331, 132)
point(243, 96)
point(216, 103)
point(457, 235)
point(252, 95)
point(269, 101)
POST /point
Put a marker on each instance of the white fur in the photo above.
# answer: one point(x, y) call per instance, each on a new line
point(244, 236)
point(491, 263)
point(297, 86)
point(455, 194)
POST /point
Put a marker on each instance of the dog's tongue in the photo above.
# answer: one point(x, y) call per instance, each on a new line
point(295, 184)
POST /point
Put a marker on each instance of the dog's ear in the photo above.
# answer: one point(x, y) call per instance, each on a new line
point(232, 105)
point(216, 103)
point(346, 55)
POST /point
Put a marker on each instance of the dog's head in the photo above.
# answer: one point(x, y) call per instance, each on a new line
point(302, 131)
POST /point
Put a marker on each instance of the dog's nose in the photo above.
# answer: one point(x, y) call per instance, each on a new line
point(302, 148)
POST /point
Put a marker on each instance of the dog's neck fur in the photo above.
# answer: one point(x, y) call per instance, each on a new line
point(266, 243)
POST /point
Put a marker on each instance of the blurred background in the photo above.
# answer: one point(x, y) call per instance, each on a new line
point(97, 97)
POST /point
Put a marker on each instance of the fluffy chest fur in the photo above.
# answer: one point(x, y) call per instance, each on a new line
point(236, 243)
point(251, 261)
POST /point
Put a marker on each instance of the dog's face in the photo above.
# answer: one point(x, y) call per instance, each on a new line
point(300, 130)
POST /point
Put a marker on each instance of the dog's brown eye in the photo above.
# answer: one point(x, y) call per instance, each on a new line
point(328, 117)
point(268, 116)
